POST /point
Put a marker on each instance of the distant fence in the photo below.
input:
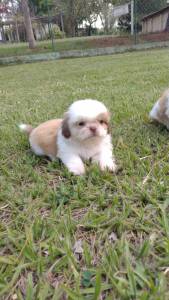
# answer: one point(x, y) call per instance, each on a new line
point(151, 21)
point(131, 22)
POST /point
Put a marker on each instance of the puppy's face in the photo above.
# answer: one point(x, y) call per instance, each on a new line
point(85, 128)
point(86, 119)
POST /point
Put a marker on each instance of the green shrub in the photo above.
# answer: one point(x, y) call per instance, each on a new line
point(57, 33)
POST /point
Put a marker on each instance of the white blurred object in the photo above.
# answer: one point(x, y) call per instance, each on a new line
point(120, 10)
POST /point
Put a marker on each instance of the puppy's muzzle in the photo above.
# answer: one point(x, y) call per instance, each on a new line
point(93, 129)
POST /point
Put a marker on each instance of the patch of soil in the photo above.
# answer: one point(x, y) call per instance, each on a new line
point(113, 41)
point(155, 37)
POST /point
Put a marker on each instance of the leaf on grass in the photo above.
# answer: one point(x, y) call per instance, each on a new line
point(87, 278)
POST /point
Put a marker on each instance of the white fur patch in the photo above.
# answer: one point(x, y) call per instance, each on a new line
point(36, 149)
point(87, 108)
point(154, 112)
point(22, 127)
point(167, 110)
point(72, 153)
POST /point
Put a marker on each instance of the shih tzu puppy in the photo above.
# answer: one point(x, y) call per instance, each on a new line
point(82, 134)
point(160, 110)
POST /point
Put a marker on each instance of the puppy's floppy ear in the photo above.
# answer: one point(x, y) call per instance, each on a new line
point(109, 128)
point(108, 122)
point(65, 127)
point(106, 118)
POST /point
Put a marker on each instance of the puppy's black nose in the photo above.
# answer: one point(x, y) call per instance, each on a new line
point(92, 129)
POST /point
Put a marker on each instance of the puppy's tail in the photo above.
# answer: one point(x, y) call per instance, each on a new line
point(26, 128)
point(153, 113)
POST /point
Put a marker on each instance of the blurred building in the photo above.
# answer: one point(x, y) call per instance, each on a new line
point(156, 22)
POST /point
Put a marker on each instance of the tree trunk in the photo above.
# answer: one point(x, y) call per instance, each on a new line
point(70, 26)
point(28, 24)
point(72, 18)
point(61, 22)
point(89, 30)
point(17, 31)
point(3, 35)
point(16, 22)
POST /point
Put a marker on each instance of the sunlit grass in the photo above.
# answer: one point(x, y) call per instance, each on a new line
point(120, 222)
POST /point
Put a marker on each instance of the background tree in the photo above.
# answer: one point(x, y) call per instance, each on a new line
point(16, 16)
point(28, 24)
point(73, 11)
point(77, 11)
point(3, 11)
point(91, 10)
point(106, 15)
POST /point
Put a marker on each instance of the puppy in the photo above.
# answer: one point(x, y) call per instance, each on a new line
point(82, 134)
point(160, 110)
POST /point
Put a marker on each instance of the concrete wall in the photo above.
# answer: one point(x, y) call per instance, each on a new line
point(80, 53)
point(155, 23)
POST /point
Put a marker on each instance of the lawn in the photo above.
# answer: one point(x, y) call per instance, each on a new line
point(43, 47)
point(80, 43)
point(98, 236)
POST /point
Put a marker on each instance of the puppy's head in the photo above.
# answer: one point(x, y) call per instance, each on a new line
point(86, 119)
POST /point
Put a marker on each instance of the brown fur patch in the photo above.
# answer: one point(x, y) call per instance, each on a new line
point(45, 135)
point(161, 115)
point(65, 127)
point(28, 129)
point(105, 117)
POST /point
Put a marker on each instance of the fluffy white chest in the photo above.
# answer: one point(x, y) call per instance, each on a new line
point(72, 153)
point(89, 149)
point(86, 149)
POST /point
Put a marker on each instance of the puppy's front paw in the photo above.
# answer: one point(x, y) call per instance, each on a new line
point(73, 163)
point(77, 170)
point(108, 165)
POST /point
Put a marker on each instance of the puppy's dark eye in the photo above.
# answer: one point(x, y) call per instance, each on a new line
point(101, 122)
point(81, 124)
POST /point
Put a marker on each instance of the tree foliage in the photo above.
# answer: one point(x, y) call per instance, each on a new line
point(76, 12)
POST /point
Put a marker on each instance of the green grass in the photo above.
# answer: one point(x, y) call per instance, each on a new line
point(77, 43)
point(42, 47)
point(18, 49)
point(121, 221)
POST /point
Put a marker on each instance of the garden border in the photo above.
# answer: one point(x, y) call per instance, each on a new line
point(80, 53)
